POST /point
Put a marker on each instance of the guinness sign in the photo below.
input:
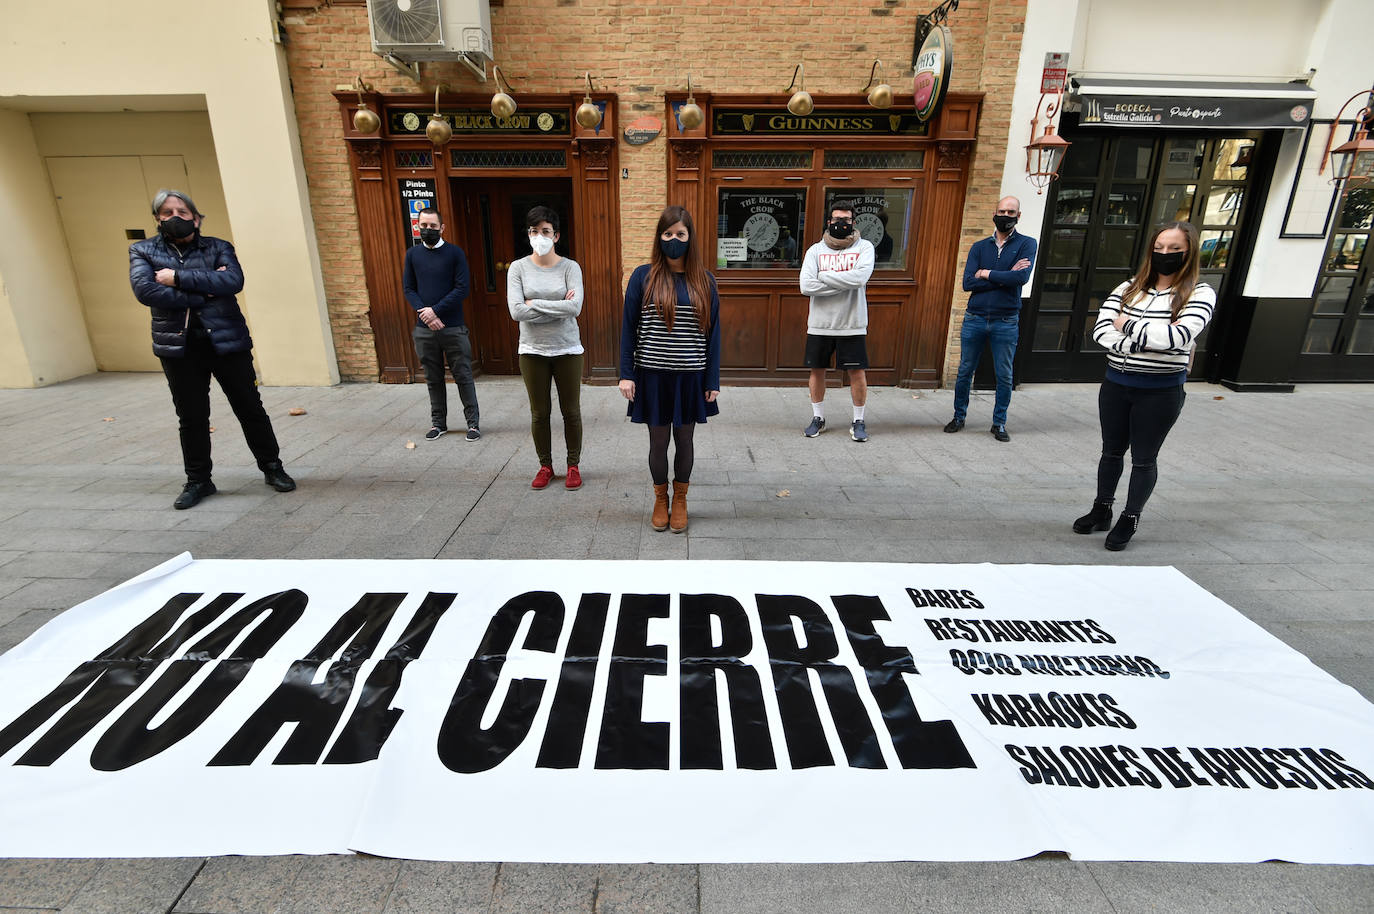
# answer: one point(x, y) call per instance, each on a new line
point(837, 122)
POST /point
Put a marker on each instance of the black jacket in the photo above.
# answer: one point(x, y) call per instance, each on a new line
point(201, 288)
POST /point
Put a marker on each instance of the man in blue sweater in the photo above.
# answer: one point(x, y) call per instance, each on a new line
point(436, 282)
point(998, 266)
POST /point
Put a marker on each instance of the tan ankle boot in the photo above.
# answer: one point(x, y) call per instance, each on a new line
point(660, 519)
point(678, 523)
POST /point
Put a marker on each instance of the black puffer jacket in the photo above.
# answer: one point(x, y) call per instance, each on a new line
point(201, 287)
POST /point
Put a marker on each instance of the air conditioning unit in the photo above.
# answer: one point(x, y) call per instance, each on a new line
point(411, 30)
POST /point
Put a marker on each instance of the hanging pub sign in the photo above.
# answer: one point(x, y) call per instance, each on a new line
point(535, 122)
point(838, 122)
point(416, 194)
point(933, 65)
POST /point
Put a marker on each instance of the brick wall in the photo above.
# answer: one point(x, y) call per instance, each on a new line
point(639, 50)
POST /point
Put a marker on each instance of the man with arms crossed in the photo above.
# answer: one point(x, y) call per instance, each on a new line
point(998, 266)
point(835, 273)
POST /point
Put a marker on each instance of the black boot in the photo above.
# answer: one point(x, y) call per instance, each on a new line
point(274, 474)
point(192, 493)
point(1121, 534)
point(1096, 520)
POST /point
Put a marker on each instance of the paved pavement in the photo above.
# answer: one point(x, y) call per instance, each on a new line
point(1267, 500)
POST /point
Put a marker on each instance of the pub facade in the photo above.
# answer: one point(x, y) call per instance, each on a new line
point(755, 176)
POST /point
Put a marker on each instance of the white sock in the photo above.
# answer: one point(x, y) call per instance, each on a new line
point(858, 413)
point(818, 409)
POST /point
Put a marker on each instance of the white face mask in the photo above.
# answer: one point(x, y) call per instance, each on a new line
point(541, 244)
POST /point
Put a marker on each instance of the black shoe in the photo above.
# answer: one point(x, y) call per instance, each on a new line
point(1121, 534)
point(815, 428)
point(437, 431)
point(473, 433)
point(192, 493)
point(1096, 520)
point(1000, 433)
point(275, 476)
point(954, 425)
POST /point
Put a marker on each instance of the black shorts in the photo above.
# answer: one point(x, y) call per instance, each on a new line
point(851, 352)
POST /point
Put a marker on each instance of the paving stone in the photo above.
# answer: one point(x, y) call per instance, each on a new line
point(341, 885)
point(142, 886)
point(1267, 888)
point(240, 885)
point(37, 883)
point(647, 889)
point(556, 888)
point(453, 888)
point(846, 888)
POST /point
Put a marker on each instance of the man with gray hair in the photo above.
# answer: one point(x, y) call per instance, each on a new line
point(189, 282)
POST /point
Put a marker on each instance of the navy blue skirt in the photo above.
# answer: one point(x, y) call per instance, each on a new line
point(670, 398)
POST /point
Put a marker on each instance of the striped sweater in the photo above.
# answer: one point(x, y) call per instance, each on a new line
point(1151, 343)
point(646, 341)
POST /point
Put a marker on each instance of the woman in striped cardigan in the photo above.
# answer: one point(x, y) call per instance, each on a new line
point(670, 356)
point(1149, 326)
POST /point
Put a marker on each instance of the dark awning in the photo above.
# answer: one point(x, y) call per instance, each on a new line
point(1195, 104)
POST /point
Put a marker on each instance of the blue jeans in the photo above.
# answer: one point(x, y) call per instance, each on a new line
point(1001, 333)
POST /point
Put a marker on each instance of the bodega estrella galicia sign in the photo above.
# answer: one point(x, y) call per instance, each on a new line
point(675, 711)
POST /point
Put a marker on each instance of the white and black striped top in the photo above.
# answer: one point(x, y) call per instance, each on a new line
point(682, 348)
point(1151, 342)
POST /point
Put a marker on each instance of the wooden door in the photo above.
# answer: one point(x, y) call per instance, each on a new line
point(493, 236)
point(103, 204)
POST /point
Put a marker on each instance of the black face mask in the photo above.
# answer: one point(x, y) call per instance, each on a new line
point(673, 248)
point(839, 229)
point(1167, 264)
point(176, 228)
point(1004, 223)
point(430, 236)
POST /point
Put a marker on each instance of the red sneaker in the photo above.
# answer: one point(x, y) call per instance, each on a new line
point(542, 478)
point(574, 480)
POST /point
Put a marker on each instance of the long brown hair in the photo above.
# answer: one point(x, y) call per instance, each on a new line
point(1186, 280)
point(661, 288)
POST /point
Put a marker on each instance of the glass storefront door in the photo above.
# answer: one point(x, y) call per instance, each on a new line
point(1339, 344)
point(1113, 190)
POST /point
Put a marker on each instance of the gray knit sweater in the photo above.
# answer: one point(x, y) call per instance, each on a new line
point(548, 324)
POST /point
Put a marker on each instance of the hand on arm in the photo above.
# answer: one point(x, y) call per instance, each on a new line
point(225, 279)
point(153, 292)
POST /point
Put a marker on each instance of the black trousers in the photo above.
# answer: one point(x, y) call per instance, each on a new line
point(434, 347)
point(1138, 418)
point(189, 380)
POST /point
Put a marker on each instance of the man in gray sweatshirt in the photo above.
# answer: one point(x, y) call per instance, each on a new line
point(834, 273)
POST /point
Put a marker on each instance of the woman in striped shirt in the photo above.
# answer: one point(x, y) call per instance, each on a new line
point(1149, 326)
point(670, 356)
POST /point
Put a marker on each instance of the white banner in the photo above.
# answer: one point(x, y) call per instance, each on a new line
point(675, 712)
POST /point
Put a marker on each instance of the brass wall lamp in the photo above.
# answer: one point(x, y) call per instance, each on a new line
point(1045, 153)
point(365, 120)
point(800, 103)
point(1353, 160)
point(588, 114)
point(881, 94)
point(502, 105)
point(689, 114)
point(438, 130)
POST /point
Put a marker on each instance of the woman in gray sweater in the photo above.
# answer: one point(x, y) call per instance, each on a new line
point(544, 292)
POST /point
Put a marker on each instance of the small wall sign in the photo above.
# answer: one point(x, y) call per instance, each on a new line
point(642, 130)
